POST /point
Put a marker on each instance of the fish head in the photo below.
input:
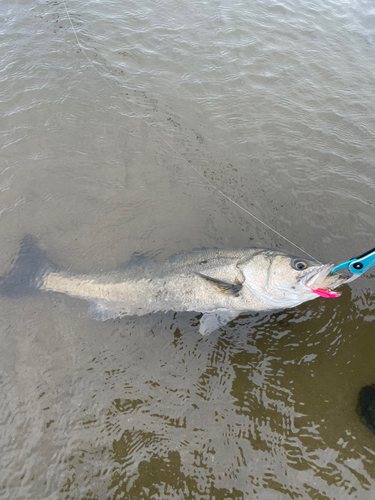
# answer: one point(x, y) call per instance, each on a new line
point(282, 280)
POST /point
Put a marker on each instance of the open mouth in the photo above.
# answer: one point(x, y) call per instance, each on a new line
point(322, 282)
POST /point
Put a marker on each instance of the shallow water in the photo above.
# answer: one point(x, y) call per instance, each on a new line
point(273, 104)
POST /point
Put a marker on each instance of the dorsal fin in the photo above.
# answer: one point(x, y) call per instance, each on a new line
point(222, 286)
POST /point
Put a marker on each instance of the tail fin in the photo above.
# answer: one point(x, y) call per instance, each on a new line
point(28, 271)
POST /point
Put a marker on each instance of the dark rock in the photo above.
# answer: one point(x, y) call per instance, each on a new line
point(366, 405)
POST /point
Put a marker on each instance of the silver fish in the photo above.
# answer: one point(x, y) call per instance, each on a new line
point(221, 284)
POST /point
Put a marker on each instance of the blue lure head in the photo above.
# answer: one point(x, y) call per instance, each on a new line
point(357, 266)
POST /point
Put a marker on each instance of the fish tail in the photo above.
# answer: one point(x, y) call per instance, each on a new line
point(29, 269)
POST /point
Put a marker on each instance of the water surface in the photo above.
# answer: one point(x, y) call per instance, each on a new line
point(274, 104)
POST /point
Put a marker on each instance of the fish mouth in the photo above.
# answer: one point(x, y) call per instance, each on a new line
point(322, 282)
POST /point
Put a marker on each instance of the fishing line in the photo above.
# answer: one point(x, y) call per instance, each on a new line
point(114, 91)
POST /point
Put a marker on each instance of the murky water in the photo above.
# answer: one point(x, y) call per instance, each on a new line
point(274, 104)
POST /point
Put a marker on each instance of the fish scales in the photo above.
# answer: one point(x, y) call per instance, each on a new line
point(221, 284)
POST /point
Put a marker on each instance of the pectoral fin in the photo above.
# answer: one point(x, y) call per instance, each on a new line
point(210, 322)
point(222, 286)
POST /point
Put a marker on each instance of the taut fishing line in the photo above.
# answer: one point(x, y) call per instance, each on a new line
point(114, 91)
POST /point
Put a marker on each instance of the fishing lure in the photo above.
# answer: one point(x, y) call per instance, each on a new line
point(357, 265)
point(352, 268)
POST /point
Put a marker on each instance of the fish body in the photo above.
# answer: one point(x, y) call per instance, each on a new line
point(221, 284)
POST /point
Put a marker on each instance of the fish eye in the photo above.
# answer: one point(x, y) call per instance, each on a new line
point(300, 265)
